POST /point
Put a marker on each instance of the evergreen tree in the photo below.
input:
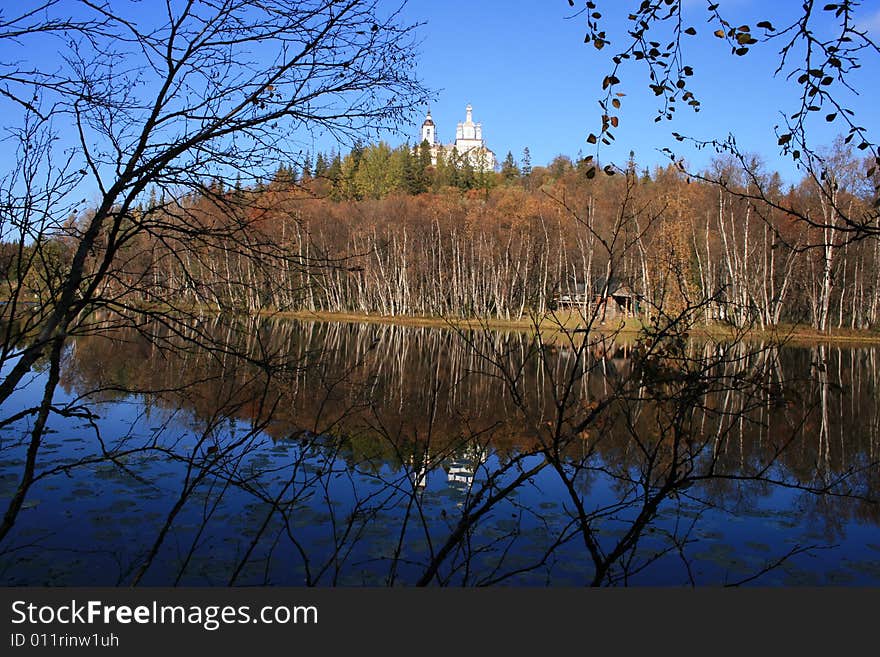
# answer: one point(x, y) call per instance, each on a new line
point(526, 163)
point(357, 152)
point(282, 178)
point(412, 183)
point(466, 178)
point(307, 166)
point(526, 168)
point(509, 170)
point(423, 167)
point(334, 173)
point(453, 175)
point(320, 165)
point(485, 180)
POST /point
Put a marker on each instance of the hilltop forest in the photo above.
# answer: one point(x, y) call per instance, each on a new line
point(381, 231)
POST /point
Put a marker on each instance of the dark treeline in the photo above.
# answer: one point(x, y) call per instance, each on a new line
point(383, 231)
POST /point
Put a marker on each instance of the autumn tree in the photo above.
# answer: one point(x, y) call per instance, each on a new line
point(168, 99)
point(822, 50)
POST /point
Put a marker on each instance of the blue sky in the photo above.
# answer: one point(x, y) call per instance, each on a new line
point(533, 82)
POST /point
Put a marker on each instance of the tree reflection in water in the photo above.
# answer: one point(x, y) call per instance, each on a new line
point(346, 454)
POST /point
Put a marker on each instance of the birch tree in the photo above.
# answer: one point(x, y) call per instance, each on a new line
point(167, 100)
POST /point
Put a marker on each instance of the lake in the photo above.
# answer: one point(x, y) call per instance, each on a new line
point(305, 453)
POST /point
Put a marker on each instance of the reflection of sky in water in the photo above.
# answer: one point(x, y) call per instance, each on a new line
point(95, 524)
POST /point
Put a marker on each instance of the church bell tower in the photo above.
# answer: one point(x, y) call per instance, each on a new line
point(428, 131)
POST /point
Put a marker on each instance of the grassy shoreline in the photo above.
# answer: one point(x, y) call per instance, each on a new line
point(792, 334)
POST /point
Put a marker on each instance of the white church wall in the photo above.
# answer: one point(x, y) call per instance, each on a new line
point(469, 143)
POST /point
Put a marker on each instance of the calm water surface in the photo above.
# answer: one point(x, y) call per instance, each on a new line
point(344, 454)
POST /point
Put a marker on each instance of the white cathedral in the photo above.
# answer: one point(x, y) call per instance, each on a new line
point(468, 144)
